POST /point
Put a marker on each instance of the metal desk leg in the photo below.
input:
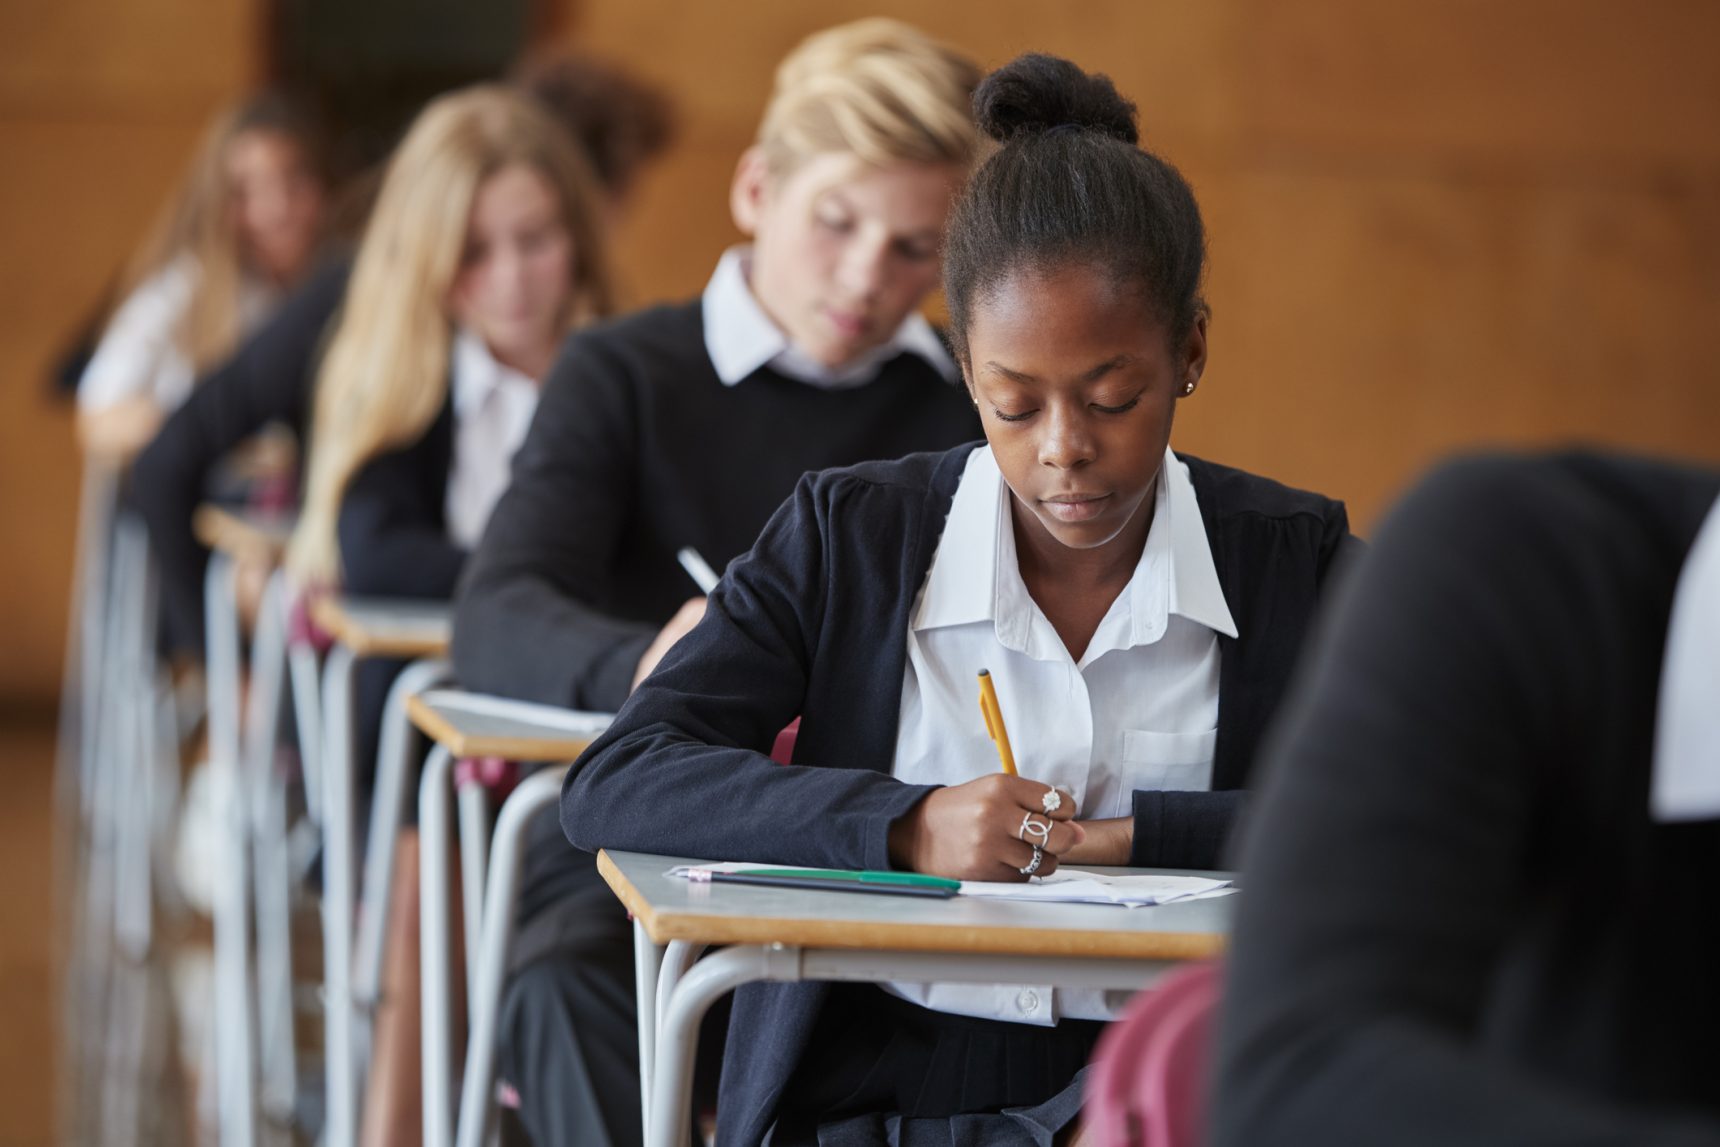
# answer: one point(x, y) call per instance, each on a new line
point(303, 664)
point(680, 956)
point(341, 1129)
point(234, 1065)
point(266, 801)
point(393, 765)
point(647, 962)
point(490, 957)
point(435, 795)
point(473, 801)
point(708, 981)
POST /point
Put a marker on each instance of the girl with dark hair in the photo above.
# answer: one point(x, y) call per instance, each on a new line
point(1139, 611)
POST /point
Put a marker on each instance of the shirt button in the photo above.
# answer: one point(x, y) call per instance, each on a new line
point(1027, 1001)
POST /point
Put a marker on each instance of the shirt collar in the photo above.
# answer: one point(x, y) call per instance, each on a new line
point(974, 575)
point(741, 339)
point(1687, 726)
point(477, 374)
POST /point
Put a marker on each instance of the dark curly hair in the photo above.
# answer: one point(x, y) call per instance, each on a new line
point(1070, 185)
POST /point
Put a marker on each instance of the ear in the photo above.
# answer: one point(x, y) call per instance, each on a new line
point(1192, 354)
point(749, 189)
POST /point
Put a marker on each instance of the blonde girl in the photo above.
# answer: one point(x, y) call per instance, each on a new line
point(482, 252)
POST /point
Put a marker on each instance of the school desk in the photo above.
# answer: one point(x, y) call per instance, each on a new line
point(469, 726)
point(259, 541)
point(789, 934)
point(359, 628)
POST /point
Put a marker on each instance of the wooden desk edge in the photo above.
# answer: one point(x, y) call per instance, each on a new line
point(439, 729)
point(332, 618)
point(957, 938)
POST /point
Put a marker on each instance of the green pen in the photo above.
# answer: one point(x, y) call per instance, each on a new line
point(840, 880)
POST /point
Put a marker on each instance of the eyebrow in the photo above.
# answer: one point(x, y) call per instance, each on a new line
point(1092, 375)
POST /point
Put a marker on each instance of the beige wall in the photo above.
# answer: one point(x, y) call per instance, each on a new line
point(101, 103)
point(1435, 223)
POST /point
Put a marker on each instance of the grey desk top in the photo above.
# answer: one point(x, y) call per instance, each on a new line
point(478, 725)
point(675, 909)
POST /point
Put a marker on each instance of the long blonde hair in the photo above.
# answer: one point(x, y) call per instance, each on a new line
point(385, 376)
point(876, 88)
point(198, 223)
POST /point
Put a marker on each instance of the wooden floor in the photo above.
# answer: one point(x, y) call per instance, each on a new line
point(29, 988)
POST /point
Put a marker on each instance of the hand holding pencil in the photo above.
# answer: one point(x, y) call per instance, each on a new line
point(999, 827)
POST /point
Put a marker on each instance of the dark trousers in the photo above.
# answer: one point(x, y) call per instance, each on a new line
point(569, 1034)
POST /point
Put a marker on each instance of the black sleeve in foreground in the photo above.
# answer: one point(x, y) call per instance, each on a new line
point(524, 622)
point(685, 768)
point(267, 380)
point(1384, 871)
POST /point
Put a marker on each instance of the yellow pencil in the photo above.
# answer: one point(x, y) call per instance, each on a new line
point(993, 715)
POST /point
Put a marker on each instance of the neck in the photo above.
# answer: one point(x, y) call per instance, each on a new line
point(533, 363)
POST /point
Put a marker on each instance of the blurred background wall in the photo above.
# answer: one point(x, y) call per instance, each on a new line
point(1435, 223)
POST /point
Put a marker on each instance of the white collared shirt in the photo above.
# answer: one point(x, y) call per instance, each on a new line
point(740, 338)
point(1139, 710)
point(1687, 722)
point(493, 408)
point(139, 353)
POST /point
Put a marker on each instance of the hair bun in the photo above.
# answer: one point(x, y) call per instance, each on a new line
point(1035, 93)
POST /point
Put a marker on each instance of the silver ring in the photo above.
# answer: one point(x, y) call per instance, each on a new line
point(1033, 865)
point(1030, 827)
point(1051, 801)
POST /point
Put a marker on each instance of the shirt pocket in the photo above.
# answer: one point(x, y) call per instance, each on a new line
point(1168, 761)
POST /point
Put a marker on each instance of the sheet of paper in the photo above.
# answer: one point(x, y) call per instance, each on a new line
point(547, 716)
point(1075, 886)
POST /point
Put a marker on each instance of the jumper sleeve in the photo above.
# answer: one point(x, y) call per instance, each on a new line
point(685, 769)
point(524, 622)
point(1385, 872)
point(268, 380)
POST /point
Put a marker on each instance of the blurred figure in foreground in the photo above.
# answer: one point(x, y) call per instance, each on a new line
point(1465, 920)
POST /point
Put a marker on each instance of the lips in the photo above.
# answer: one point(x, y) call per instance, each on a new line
point(847, 324)
point(1075, 507)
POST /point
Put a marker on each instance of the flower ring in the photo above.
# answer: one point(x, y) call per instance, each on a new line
point(1051, 801)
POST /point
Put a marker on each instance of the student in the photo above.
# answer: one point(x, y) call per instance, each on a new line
point(687, 425)
point(482, 252)
point(1138, 610)
point(621, 124)
point(1463, 921)
point(241, 232)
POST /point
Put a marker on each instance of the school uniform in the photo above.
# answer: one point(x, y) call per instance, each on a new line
point(1462, 923)
point(682, 425)
point(139, 355)
point(410, 516)
point(268, 380)
point(822, 621)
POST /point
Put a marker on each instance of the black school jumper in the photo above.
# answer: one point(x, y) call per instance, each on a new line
point(637, 449)
point(814, 623)
point(1461, 923)
point(269, 379)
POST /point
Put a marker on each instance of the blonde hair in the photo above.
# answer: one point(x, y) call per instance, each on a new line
point(385, 376)
point(199, 223)
point(876, 88)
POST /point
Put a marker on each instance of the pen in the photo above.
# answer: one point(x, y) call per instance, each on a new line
point(836, 880)
point(993, 715)
point(697, 568)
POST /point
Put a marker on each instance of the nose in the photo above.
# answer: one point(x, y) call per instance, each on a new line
point(862, 269)
point(1066, 441)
